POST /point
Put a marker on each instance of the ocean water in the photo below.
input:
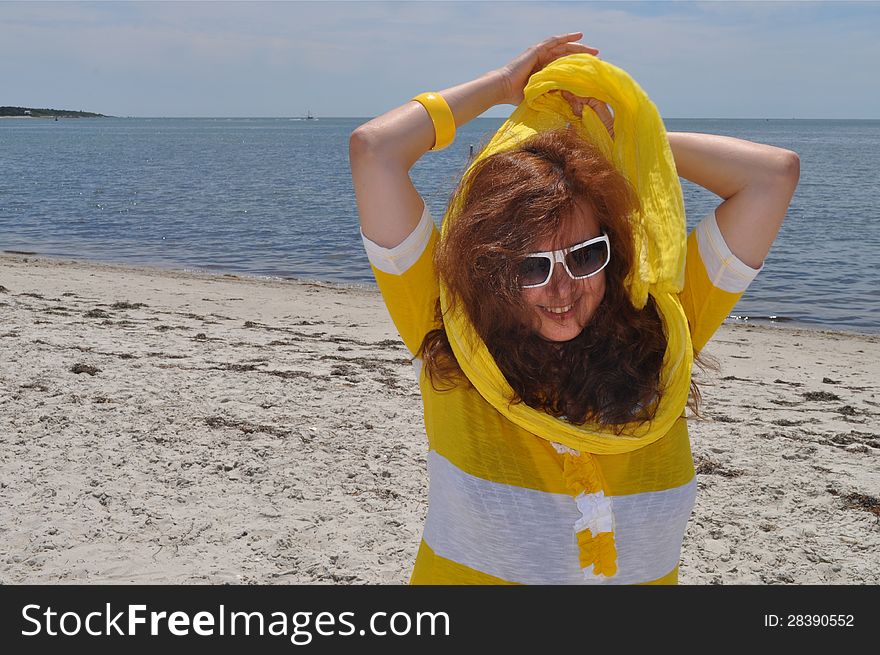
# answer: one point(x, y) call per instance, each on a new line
point(273, 197)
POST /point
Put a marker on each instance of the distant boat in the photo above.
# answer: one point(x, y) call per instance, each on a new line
point(308, 117)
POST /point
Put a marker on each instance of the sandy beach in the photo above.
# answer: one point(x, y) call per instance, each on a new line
point(164, 426)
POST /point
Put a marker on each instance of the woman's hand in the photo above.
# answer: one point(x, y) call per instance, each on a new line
point(516, 74)
point(602, 111)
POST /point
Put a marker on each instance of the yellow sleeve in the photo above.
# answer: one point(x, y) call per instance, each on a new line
point(715, 279)
point(408, 282)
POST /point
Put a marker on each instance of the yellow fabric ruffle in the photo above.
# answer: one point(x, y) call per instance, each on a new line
point(597, 553)
point(640, 150)
point(581, 474)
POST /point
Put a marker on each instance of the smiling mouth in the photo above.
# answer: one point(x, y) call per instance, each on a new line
point(561, 312)
point(558, 310)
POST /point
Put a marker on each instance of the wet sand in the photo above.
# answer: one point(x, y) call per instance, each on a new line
point(162, 426)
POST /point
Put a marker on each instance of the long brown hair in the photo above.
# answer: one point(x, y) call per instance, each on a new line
point(610, 373)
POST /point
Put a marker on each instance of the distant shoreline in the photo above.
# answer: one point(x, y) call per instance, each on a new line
point(44, 112)
point(48, 118)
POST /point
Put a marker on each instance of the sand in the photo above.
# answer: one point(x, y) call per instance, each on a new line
point(163, 426)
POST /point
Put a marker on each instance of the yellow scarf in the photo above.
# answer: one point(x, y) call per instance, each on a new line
point(640, 150)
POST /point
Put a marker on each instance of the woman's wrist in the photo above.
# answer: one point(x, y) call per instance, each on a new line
point(504, 89)
point(405, 134)
point(470, 99)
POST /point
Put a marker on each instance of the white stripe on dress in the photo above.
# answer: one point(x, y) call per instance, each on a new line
point(527, 536)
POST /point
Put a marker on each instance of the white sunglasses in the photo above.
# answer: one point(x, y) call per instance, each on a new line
point(580, 261)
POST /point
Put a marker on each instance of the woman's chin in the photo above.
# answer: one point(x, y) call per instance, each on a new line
point(560, 332)
point(559, 336)
point(561, 329)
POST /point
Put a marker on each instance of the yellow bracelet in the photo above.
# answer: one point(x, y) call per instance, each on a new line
point(441, 115)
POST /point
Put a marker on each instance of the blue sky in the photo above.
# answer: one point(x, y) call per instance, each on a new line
point(695, 59)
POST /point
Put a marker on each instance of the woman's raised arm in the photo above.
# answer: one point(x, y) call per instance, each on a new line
point(756, 181)
point(382, 151)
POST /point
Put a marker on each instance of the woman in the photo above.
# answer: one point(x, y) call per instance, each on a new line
point(538, 266)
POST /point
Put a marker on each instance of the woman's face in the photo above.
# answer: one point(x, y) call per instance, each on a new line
point(578, 298)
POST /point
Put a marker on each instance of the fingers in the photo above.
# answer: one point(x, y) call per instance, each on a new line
point(563, 50)
point(602, 110)
point(563, 38)
point(577, 104)
point(572, 48)
point(564, 42)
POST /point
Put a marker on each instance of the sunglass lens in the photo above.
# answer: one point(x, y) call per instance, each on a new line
point(533, 270)
point(587, 260)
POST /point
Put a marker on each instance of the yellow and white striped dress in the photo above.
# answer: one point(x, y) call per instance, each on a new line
point(508, 507)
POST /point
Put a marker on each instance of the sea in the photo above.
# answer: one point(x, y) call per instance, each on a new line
point(272, 197)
